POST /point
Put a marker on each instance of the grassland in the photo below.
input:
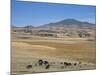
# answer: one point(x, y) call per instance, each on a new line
point(54, 50)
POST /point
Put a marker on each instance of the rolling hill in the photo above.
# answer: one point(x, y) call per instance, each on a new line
point(69, 23)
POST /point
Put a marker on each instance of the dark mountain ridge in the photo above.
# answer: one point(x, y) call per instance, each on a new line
point(63, 23)
point(69, 23)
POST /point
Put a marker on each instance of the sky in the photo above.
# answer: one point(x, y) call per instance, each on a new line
point(39, 13)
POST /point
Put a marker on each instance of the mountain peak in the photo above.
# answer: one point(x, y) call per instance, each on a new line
point(69, 22)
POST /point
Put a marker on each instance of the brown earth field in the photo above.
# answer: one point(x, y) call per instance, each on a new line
point(26, 53)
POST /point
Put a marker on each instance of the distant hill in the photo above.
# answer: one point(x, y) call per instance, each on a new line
point(13, 26)
point(30, 26)
point(69, 23)
point(66, 23)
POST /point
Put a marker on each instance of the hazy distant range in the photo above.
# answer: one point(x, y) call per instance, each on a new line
point(66, 23)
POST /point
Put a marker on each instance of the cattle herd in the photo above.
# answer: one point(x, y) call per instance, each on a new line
point(47, 65)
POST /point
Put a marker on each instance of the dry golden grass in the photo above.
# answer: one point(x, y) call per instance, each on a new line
point(25, 50)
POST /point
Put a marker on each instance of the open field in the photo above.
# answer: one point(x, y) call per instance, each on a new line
point(80, 52)
point(52, 37)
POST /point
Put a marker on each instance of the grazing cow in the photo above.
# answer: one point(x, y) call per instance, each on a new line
point(29, 66)
point(47, 66)
point(40, 62)
point(67, 64)
point(46, 63)
point(75, 64)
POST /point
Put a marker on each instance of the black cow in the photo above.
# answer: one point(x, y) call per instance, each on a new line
point(40, 62)
point(29, 66)
point(47, 66)
point(67, 64)
point(46, 63)
point(75, 64)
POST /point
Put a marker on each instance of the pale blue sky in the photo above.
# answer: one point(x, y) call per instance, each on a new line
point(36, 14)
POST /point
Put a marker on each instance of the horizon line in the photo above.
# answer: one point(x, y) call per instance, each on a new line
point(52, 22)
